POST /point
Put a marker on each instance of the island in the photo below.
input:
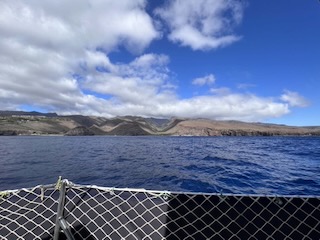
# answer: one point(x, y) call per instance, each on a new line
point(34, 123)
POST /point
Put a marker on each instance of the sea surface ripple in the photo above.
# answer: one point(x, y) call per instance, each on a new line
point(242, 165)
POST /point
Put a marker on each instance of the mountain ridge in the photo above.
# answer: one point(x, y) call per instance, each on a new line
point(36, 123)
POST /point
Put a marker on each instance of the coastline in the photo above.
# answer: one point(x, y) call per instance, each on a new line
point(25, 125)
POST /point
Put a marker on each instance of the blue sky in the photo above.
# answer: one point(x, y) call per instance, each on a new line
point(226, 60)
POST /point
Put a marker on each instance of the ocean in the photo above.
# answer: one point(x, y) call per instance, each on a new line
point(240, 165)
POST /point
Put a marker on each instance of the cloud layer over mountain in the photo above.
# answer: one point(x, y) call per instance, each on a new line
point(55, 55)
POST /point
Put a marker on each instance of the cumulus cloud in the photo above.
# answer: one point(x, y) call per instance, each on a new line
point(202, 24)
point(220, 91)
point(294, 99)
point(71, 27)
point(206, 80)
point(56, 56)
point(140, 82)
point(42, 44)
point(232, 106)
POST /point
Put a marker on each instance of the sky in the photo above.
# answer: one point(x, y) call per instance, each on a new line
point(247, 60)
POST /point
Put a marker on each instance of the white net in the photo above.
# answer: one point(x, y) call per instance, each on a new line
point(106, 213)
point(28, 213)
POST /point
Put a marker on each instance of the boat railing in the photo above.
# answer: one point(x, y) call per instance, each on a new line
point(71, 211)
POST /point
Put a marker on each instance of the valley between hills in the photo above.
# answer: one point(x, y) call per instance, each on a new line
point(34, 123)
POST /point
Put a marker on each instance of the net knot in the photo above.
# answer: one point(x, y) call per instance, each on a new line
point(4, 194)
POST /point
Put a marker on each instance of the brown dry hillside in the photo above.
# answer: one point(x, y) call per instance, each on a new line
point(20, 123)
point(205, 127)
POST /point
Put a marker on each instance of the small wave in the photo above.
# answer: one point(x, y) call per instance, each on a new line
point(210, 158)
point(196, 185)
point(122, 160)
point(305, 182)
point(238, 165)
point(212, 169)
point(169, 179)
point(232, 162)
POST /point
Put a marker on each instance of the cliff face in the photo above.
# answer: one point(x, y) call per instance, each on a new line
point(129, 129)
point(204, 127)
point(78, 125)
point(80, 131)
point(8, 133)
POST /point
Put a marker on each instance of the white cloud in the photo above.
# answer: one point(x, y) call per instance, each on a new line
point(294, 99)
point(232, 106)
point(137, 89)
point(202, 24)
point(42, 44)
point(55, 56)
point(206, 80)
point(68, 26)
point(220, 91)
point(141, 82)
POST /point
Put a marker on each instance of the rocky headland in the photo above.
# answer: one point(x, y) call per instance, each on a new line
point(34, 123)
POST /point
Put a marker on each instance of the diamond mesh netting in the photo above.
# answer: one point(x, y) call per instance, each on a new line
point(93, 212)
point(28, 213)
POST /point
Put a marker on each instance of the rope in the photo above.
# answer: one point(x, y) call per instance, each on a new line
point(4, 194)
point(59, 183)
point(92, 212)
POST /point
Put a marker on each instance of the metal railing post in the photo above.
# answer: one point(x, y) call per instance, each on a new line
point(60, 222)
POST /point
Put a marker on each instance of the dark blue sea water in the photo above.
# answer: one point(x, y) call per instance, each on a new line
point(245, 165)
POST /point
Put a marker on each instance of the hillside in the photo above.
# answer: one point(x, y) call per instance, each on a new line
point(34, 123)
